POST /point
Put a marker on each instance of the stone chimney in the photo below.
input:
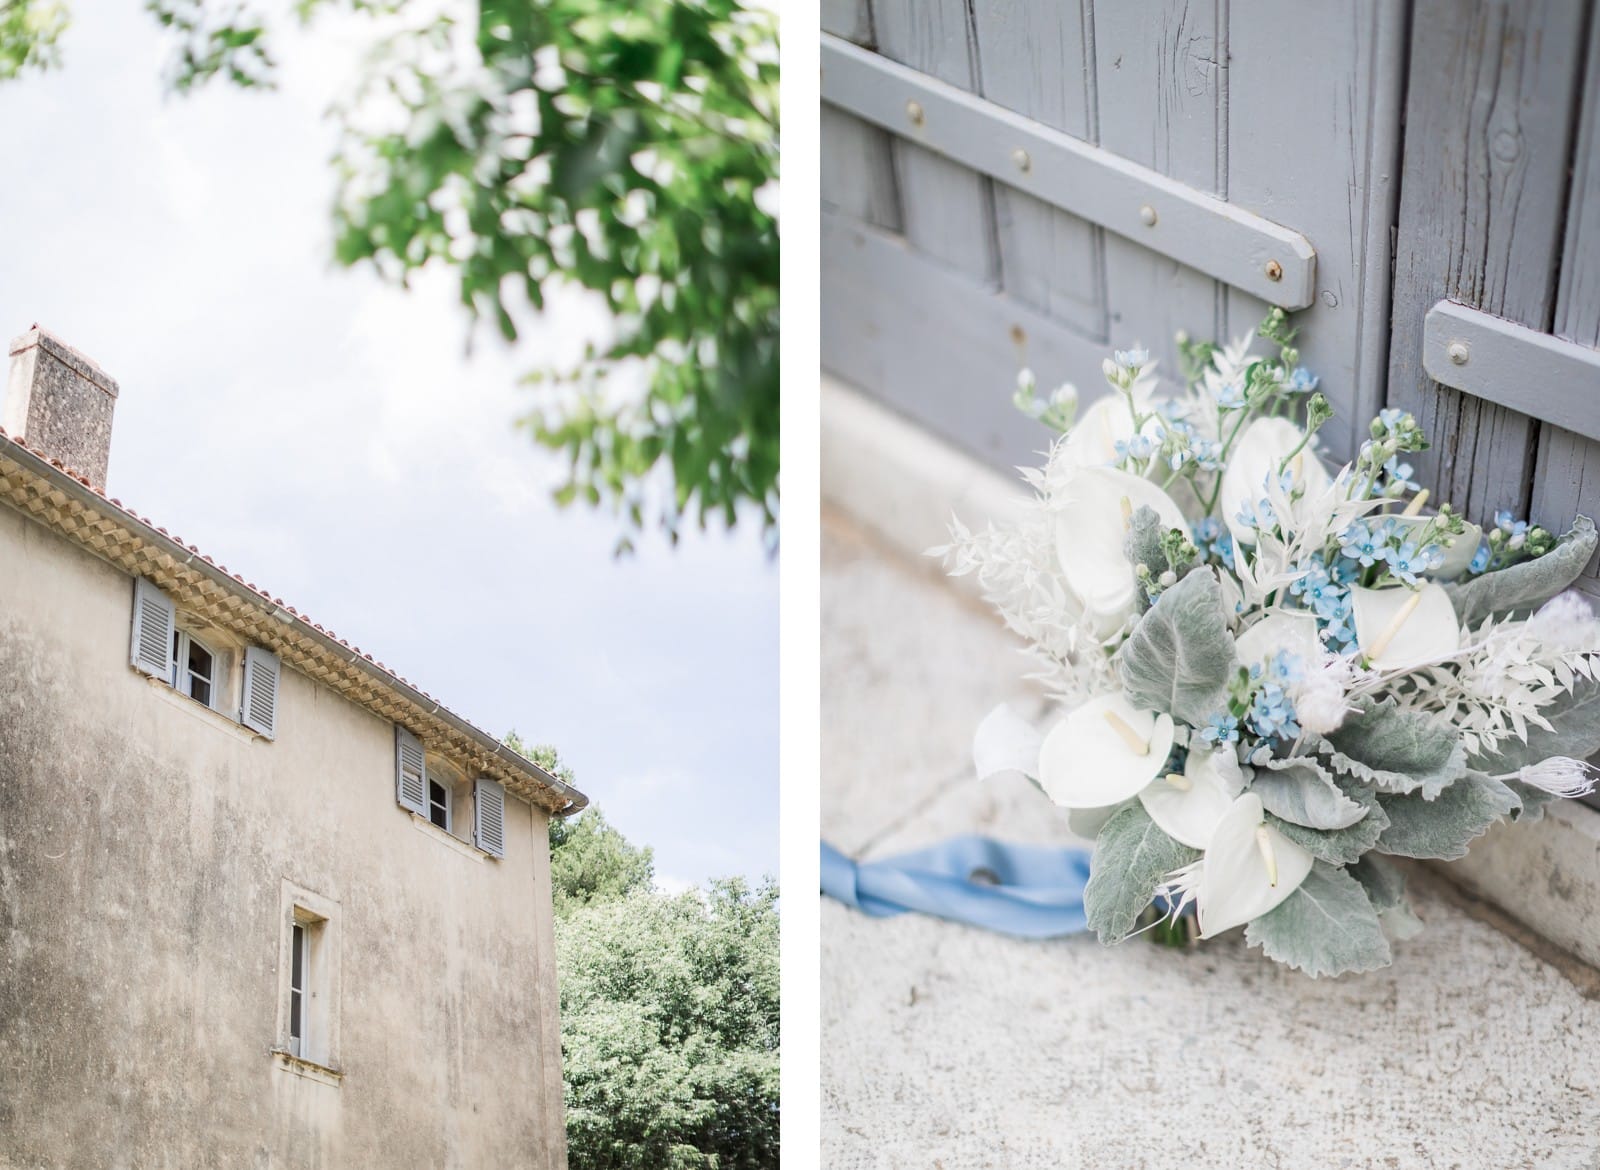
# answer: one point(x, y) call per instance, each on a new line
point(59, 403)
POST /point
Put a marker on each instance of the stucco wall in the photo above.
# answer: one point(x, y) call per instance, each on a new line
point(144, 842)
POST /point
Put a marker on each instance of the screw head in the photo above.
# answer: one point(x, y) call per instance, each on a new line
point(1459, 352)
point(1020, 157)
point(1147, 215)
point(1274, 270)
point(914, 112)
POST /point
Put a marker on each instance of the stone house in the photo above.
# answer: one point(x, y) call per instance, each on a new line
point(263, 903)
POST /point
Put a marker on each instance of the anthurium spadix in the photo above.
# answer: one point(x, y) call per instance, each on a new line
point(1188, 806)
point(1257, 456)
point(1400, 628)
point(1106, 751)
point(1248, 868)
point(1092, 507)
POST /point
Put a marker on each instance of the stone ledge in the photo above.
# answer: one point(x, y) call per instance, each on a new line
point(904, 484)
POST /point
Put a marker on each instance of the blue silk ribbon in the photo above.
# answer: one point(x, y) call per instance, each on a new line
point(1031, 891)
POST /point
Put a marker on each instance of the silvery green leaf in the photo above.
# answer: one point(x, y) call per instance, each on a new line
point(1386, 890)
point(1442, 828)
point(1341, 846)
point(1398, 751)
point(1574, 731)
point(1180, 655)
point(1533, 801)
point(1143, 546)
point(1300, 791)
point(1384, 883)
point(1326, 927)
point(1131, 858)
point(1528, 585)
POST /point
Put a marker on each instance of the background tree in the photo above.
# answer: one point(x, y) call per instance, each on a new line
point(669, 1005)
point(628, 147)
point(669, 1023)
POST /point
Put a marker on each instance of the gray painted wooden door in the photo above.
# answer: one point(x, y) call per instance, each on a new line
point(940, 280)
point(1441, 149)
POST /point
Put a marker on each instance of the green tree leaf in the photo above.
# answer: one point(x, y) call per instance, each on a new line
point(1326, 927)
point(1527, 585)
point(1443, 827)
point(1131, 858)
point(1179, 657)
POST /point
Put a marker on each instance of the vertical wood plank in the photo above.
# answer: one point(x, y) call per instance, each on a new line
point(1488, 121)
point(1161, 78)
point(946, 210)
point(1033, 59)
point(1320, 155)
point(1567, 474)
point(857, 166)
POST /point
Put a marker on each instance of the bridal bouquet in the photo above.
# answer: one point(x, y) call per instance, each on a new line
point(1274, 675)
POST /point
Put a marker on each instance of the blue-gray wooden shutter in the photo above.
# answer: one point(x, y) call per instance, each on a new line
point(410, 772)
point(489, 816)
point(258, 701)
point(154, 624)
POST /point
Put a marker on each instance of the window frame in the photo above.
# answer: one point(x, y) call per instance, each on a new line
point(443, 784)
point(308, 1040)
point(180, 675)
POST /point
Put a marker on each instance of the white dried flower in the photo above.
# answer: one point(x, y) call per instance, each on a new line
point(1559, 776)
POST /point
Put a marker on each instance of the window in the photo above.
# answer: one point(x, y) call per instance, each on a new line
point(308, 981)
point(439, 804)
point(205, 669)
point(194, 668)
point(297, 990)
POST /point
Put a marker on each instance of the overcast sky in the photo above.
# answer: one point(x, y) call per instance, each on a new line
point(324, 435)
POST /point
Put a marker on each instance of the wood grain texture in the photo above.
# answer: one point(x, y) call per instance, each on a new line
point(1489, 118)
point(947, 211)
point(1033, 59)
point(932, 344)
point(1567, 473)
point(857, 165)
point(1320, 156)
point(1161, 76)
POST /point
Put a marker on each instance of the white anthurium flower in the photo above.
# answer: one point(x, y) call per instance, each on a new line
point(1091, 508)
point(1458, 552)
point(1253, 461)
point(1189, 807)
point(1006, 742)
point(1104, 753)
point(1248, 868)
point(1295, 633)
point(1093, 440)
point(1399, 628)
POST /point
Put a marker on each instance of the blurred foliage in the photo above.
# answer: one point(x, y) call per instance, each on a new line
point(626, 148)
point(29, 30)
point(669, 1030)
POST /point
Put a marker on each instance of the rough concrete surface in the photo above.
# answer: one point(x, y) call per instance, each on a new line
point(944, 1046)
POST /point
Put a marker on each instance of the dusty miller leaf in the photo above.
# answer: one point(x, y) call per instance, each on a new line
point(1131, 858)
point(1398, 751)
point(1300, 791)
point(1341, 846)
point(1142, 546)
point(1180, 655)
point(1326, 927)
point(1528, 585)
point(1442, 828)
point(1385, 885)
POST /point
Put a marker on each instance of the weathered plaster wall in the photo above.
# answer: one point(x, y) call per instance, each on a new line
point(143, 845)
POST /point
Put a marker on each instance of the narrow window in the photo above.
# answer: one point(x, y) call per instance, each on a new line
point(194, 668)
point(439, 804)
point(297, 991)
